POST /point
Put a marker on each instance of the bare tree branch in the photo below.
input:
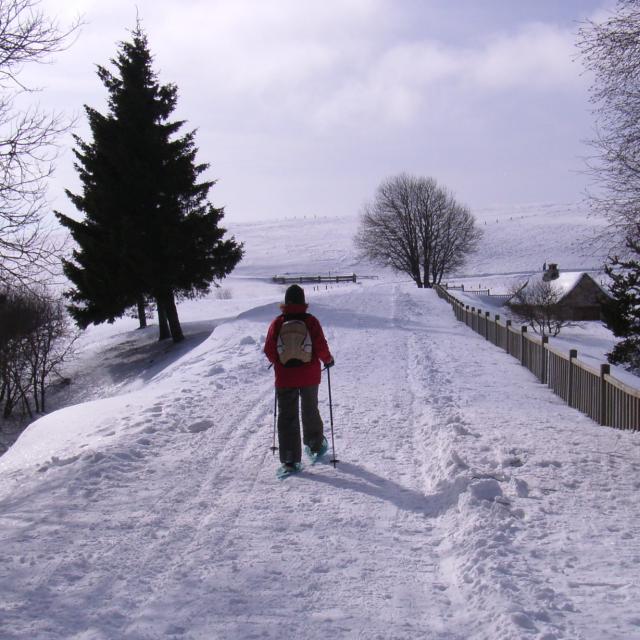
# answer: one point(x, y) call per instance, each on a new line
point(538, 304)
point(611, 51)
point(27, 142)
point(416, 227)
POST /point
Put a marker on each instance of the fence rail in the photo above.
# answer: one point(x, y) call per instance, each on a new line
point(286, 279)
point(594, 392)
point(497, 297)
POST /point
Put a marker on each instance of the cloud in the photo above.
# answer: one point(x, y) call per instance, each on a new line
point(539, 57)
point(338, 63)
point(395, 85)
point(350, 89)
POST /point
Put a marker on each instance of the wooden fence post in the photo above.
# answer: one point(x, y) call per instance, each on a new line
point(543, 364)
point(508, 328)
point(573, 354)
point(486, 325)
point(605, 370)
point(523, 332)
point(495, 337)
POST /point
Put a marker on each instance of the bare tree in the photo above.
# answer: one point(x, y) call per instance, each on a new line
point(456, 237)
point(48, 347)
point(538, 304)
point(27, 139)
point(416, 227)
point(18, 319)
point(388, 232)
point(610, 51)
point(37, 339)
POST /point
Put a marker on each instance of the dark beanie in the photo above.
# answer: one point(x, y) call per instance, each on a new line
point(294, 295)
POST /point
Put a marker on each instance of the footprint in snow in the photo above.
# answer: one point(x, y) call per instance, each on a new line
point(523, 620)
point(486, 490)
point(201, 425)
point(154, 410)
point(549, 463)
point(521, 487)
point(460, 430)
point(57, 462)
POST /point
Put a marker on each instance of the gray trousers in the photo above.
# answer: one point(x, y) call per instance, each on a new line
point(289, 422)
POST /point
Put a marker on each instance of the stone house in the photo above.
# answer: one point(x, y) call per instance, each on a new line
point(580, 296)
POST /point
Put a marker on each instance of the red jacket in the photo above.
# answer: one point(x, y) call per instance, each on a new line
point(305, 375)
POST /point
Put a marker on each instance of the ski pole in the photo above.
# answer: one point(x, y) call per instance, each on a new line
point(275, 417)
point(334, 460)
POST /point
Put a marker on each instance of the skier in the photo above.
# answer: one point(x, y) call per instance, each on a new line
point(295, 345)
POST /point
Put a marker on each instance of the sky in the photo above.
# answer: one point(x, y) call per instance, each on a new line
point(303, 108)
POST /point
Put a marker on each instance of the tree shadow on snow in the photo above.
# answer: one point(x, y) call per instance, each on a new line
point(137, 355)
point(134, 359)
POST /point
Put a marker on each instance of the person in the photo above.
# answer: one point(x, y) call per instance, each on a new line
point(298, 380)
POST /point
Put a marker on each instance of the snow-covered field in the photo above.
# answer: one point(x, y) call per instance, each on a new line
point(469, 501)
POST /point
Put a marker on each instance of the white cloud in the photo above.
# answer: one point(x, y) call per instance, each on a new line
point(539, 57)
point(289, 80)
point(393, 86)
point(322, 64)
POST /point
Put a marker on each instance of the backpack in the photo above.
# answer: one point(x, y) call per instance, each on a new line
point(294, 344)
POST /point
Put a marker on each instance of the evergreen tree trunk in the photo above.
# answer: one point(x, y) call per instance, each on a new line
point(163, 322)
point(142, 314)
point(172, 317)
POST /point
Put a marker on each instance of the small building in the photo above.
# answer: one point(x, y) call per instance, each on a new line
point(580, 297)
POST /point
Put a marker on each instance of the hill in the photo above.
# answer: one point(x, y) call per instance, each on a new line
point(469, 501)
point(515, 240)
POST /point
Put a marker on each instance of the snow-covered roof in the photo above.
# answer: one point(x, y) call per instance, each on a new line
point(564, 283)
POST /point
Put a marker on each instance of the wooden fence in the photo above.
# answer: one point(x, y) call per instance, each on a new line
point(501, 297)
point(287, 279)
point(595, 392)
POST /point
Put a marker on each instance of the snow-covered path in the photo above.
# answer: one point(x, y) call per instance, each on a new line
point(469, 501)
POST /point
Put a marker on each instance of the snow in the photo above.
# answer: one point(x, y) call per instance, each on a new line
point(592, 340)
point(564, 283)
point(469, 502)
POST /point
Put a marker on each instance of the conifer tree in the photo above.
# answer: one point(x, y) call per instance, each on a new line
point(622, 314)
point(149, 231)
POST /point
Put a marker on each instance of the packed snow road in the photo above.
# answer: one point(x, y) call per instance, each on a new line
point(469, 502)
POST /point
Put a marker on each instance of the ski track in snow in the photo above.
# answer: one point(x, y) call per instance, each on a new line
point(452, 514)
